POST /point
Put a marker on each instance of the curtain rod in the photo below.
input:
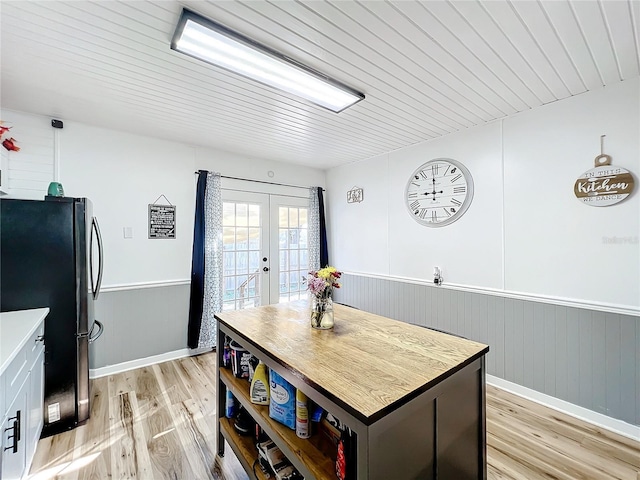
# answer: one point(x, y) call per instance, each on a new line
point(258, 181)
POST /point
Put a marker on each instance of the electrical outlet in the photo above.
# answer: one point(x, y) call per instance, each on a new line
point(127, 232)
point(437, 276)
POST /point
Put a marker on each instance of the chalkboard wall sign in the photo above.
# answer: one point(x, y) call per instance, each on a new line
point(162, 221)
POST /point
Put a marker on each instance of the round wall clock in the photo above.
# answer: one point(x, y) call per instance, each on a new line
point(439, 192)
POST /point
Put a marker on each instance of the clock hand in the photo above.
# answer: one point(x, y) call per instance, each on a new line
point(434, 188)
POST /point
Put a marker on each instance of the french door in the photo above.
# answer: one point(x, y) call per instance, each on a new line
point(265, 252)
point(288, 245)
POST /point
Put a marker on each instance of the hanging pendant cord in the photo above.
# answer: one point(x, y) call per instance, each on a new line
point(261, 181)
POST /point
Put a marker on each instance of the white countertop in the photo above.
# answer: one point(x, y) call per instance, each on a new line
point(15, 329)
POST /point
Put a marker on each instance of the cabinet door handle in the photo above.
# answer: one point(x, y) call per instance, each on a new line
point(16, 433)
point(17, 420)
point(14, 445)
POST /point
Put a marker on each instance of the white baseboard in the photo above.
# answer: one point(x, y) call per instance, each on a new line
point(603, 421)
point(144, 362)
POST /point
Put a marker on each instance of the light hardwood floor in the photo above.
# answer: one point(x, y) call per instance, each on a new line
point(157, 423)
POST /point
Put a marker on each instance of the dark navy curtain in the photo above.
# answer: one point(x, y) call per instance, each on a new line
point(197, 265)
point(324, 251)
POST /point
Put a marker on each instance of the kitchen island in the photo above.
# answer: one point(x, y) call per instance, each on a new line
point(414, 397)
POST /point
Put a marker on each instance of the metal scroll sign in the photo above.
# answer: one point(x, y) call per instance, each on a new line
point(605, 184)
point(355, 195)
point(162, 221)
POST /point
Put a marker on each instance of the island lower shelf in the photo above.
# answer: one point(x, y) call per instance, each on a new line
point(311, 452)
point(244, 449)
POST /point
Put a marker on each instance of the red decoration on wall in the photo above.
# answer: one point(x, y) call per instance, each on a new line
point(9, 144)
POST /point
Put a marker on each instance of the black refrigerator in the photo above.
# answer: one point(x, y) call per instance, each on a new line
point(51, 256)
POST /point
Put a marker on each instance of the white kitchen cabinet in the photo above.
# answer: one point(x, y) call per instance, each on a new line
point(35, 401)
point(21, 389)
point(13, 437)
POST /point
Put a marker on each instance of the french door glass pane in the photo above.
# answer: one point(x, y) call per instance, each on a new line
point(254, 261)
point(293, 253)
point(254, 215)
point(242, 232)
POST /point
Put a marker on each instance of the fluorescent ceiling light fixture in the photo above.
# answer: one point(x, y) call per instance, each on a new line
point(216, 44)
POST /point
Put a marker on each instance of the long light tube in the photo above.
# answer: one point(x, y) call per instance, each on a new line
point(216, 44)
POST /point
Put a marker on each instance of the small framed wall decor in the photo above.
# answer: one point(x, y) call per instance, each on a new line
point(355, 195)
point(162, 220)
point(603, 185)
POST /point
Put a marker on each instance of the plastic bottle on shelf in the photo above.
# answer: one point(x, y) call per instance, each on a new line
point(260, 385)
point(302, 415)
point(226, 354)
point(230, 405)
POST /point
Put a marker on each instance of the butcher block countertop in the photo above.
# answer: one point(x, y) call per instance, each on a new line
point(15, 329)
point(368, 364)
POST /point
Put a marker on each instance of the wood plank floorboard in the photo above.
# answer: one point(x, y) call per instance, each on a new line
point(157, 423)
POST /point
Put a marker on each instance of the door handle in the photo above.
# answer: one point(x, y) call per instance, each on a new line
point(92, 337)
point(95, 287)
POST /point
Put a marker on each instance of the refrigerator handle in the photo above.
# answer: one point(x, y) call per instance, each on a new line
point(92, 337)
point(95, 287)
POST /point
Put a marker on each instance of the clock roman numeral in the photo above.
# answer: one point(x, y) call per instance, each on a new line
point(456, 178)
point(434, 169)
point(423, 213)
point(414, 205)
point(459, 189)
point(415, 183)
point(434, 216)
point(423, 175)
point(456, 202)
point(413, 195)
point(447, 212)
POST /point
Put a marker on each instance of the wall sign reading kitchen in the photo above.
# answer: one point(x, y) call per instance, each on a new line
point(605, 184)
point(162, 221)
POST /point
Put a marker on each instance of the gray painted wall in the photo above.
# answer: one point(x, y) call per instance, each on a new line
point(140, 323)
point(586, 357)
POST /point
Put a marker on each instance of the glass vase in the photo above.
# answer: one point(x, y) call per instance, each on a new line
point(322, 313)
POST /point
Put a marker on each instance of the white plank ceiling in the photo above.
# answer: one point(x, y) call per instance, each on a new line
point(427, 68)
